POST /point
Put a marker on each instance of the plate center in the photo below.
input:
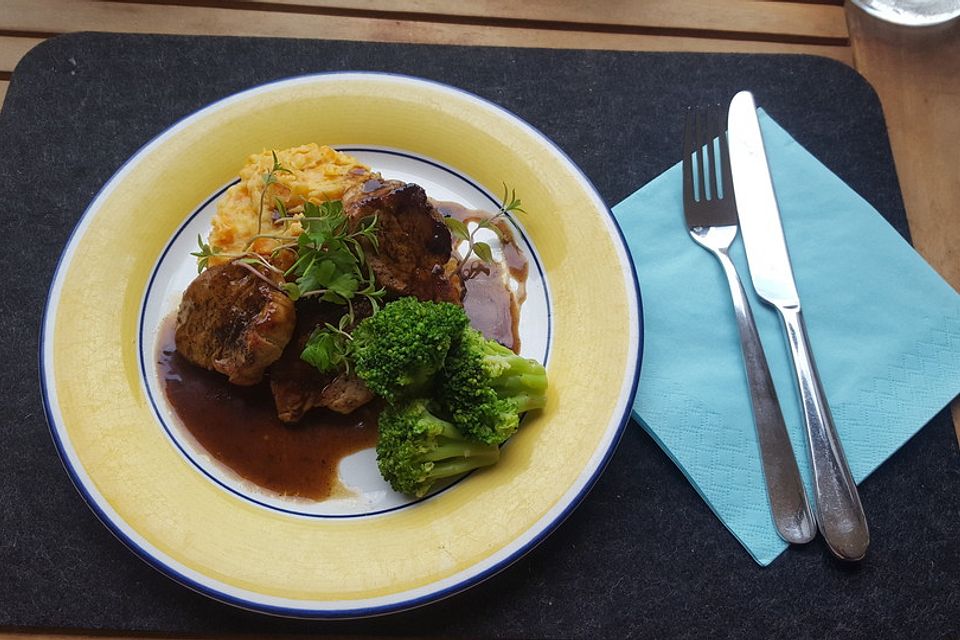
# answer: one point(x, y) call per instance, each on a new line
point(362, 492)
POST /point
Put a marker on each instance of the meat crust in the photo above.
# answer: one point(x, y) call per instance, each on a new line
point(239, 323)
point(414, 244)
point(233, 321)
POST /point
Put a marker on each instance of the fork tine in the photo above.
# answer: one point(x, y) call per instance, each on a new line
point(687, 163)
point(701, 127)
point(701, 186)
point(710, 115)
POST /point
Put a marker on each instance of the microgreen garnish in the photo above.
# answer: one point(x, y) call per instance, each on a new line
point(204, 254)
point(508, 204)
point(268, 179)
point(331, 265)
point(328, 347)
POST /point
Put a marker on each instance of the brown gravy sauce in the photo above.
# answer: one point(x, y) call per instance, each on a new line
point(239, 426)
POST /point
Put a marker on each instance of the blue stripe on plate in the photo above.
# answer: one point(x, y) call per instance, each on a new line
point(307, 611)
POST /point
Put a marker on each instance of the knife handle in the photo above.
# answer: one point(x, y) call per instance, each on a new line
point(839, 512)
point(791, 511)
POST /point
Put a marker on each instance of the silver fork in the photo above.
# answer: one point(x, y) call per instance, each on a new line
point(711, 213)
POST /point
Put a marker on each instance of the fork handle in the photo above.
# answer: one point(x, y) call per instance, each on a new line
point(839, 512)
point(792, 515)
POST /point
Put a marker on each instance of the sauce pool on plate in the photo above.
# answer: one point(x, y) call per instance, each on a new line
point(239, 427)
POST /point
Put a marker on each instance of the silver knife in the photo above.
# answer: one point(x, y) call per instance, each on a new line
point(839, 512)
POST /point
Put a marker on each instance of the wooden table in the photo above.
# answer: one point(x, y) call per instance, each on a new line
point(916, 72)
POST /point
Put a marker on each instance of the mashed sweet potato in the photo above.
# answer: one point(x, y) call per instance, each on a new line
point(312, 172)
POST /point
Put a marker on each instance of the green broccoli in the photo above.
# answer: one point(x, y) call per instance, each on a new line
point(398, 350)
point(485, 387)
point(416, 448)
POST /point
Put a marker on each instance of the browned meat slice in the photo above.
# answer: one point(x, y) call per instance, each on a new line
point(298, 387)
point(345, 393)
point(414, 243)
point(233, 321)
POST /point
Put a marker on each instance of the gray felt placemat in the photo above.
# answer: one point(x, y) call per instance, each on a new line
point(643, 555)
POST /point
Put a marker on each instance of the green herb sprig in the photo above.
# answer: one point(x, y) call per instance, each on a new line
point(270, 178)
point(508, 204)
point(331, 265)
point(328, 347)
point(331, 262)
point(204, 254)
point(207, 251)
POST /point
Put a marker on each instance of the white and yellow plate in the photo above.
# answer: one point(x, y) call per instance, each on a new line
point(373, 551)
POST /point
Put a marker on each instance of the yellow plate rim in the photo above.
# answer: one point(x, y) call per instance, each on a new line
point(248, 599)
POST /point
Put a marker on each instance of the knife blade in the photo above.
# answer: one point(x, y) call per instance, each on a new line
point(839, 511)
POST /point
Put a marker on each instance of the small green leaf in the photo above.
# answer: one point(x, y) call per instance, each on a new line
point(281, 208)
point(319, 229)
point(457, 228)
point(204, 254)
point(483, 251)
point(292, 290)
point(341, 257)
point(324, 272)
point(325, 350)
point(332, 208)
point(344, 284)
point(510, 201)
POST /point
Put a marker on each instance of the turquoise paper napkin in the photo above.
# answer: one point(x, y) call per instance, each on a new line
point(885, 330)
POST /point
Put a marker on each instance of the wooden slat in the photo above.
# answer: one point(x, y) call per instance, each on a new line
point(63, 16)
point(3, 90)
point(915, 72)
point(788, 20)
point(14, 48)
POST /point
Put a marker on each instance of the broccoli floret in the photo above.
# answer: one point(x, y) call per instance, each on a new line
point(485, 387)
point(398, 350)
point(416, 448)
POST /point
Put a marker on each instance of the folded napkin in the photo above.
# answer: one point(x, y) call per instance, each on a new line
point(885, 331)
